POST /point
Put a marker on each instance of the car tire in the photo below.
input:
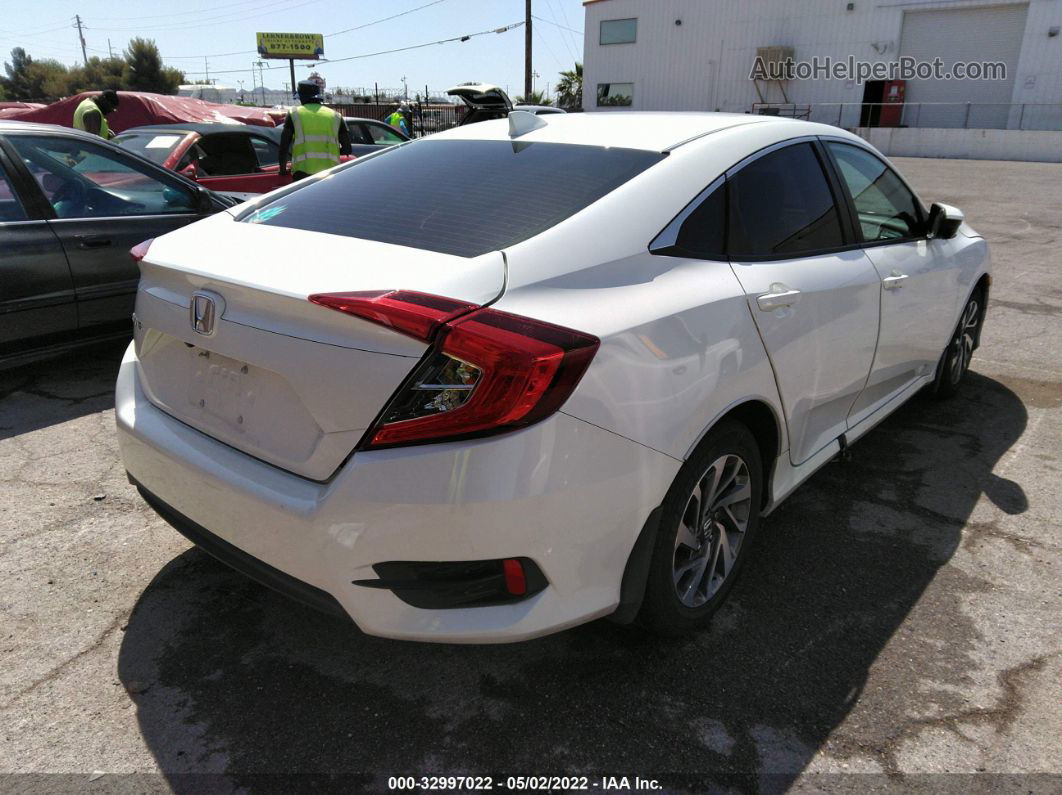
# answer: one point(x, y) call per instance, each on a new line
point(709, 519)
point(955, 361)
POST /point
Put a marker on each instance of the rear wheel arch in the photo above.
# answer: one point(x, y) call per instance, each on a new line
point(762, 421)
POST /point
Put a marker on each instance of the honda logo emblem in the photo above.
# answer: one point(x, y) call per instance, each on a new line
point(203, 313)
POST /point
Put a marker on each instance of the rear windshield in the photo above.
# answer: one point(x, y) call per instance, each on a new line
point(153, 146)
point(457, 197)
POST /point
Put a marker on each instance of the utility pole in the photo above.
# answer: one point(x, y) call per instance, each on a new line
point(206, 65)
point(110, 52)
point(528, 87)
point(81, 36)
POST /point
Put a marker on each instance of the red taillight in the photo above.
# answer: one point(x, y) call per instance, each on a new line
point(515, 581)
point(140, 250)
point(487, 371)
point(413, 314)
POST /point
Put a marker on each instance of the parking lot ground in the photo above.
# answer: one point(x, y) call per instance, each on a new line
point(901, 616)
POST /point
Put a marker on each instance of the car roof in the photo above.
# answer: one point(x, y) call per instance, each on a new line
point(652, 131)
point(362, 118)
point(203, 128)
point(14, 125)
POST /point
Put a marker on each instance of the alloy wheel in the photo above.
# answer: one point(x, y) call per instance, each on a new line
point(963, 343)
point(712, 529)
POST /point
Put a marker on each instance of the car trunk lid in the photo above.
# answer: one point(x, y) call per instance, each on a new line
point(274, 375)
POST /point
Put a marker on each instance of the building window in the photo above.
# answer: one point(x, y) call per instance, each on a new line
point(619, 31)
point(615, 94)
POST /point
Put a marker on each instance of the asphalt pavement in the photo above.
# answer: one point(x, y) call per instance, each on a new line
point(900, 619)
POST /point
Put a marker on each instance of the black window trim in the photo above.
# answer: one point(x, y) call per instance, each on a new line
point(850, 202)
point(34, 202)
point(616, 43)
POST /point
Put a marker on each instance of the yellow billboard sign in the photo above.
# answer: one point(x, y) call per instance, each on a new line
point(291, 45)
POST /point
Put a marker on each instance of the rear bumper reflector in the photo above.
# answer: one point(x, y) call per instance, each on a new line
point(452, 584)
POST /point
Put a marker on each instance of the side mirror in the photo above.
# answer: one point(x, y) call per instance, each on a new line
point(204, 201)
point(944, 221)
point(188, 171)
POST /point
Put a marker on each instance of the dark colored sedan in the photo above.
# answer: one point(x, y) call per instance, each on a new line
point(71, 207)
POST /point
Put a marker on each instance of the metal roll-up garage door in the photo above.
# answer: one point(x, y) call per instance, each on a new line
point(991, 33)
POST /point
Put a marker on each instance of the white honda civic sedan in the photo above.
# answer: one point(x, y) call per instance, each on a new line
point(527, 373)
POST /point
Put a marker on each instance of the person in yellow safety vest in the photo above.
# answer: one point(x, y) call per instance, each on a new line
point(397, 119)
point(91, 113)
point(317, 135)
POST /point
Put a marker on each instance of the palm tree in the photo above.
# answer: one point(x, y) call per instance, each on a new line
point(534, 98)
point(570, 88)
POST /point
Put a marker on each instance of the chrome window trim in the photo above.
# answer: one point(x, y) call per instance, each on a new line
point(190, 214)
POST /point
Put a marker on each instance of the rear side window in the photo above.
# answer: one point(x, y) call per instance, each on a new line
point(457, 197)
point(154, 146)
point(782, 206)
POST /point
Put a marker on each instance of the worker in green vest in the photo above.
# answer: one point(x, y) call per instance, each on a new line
point(91, 113)
point(317, 135)
point(398, 118)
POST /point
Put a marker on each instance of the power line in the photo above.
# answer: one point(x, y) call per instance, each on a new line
point(211, 21)
point(565, 27)
point(466, 37)
point(386, 19)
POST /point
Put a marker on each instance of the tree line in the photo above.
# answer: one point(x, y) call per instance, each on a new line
point(139, 68)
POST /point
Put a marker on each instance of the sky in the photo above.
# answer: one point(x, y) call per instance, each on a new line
point(224, 31)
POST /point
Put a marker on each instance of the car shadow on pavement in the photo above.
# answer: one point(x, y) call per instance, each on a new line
point(35, 396)
point(230, 678)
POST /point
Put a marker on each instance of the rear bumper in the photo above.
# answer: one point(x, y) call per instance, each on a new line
point(565, 494)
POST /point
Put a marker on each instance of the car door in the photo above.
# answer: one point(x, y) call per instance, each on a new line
point(102, 202)
point(813, 293)
point(238, 162)
point(37, 303)
point(917, 294)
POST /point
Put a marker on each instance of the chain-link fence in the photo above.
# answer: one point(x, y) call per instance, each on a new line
point(423, 119)
point(947, 115)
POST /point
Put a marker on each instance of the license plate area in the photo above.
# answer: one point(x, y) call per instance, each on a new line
point(223, 388)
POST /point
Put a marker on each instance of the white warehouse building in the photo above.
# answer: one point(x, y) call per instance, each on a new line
point(699, 55)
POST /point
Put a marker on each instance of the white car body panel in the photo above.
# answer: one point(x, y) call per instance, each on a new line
point(683, 343)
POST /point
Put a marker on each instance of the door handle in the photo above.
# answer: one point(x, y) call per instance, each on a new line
point(93, 241)
point(894, 281)
point(779, 297)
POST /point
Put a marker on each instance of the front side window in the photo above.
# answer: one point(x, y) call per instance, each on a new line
point(886, 209)
point(471, 196)
point(10, 206)
point(619, 31)
point(781, 206)
point(83, 180)
point(615, 94)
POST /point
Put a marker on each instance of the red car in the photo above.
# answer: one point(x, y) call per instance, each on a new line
point(230, 158)
point(237, 159)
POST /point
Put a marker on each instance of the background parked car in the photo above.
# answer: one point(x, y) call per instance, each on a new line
point(486, 102)
point(369, 135)
point(241, 159)
point(71, 207)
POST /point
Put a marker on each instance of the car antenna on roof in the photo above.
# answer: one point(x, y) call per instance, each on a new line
point(521, 121)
